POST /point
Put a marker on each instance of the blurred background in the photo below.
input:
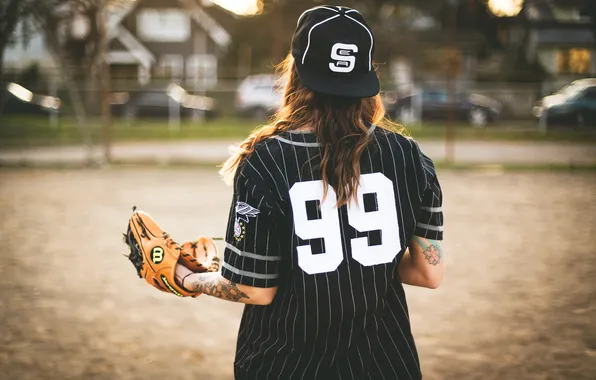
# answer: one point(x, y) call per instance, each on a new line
point(146, 96)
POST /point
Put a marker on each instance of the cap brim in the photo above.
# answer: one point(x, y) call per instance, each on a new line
point(362, 86)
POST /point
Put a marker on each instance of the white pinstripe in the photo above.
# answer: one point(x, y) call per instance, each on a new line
point(329, 303)
point(401, 215)
point(303, 284)
point(394, 345)
point(286, 330)
point(265, 341)
point(284, 174)
point(383, 170)
point(255, 268)
point(352, 294)
point(405, 175)
point(312, 9)
point(372, 354)
point(386, 356)
point(403, 335)
point(379, 367)
point(315, 280)
point(290, 259)
point(413, 147)
point(401, 220)
point(252, 330)
point(374, 271)
point(271, 175)
point(372, 42)
point(310, 32)
point(255, 169)
point(360, 357)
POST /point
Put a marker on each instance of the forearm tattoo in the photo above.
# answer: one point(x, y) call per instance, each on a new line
point(217, 286)
point(432, 252)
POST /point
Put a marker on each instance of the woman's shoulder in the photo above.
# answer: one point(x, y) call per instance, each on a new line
point(394, 137)
point(265, 155)
point(268, 147)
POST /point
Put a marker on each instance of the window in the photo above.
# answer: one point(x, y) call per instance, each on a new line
point(589, 94)
point(574, 61)
point(171, 66)
point(201, 70)
point(163, 25)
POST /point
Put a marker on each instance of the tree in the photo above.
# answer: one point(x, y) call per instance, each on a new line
point(11, 12)
point(80, 56)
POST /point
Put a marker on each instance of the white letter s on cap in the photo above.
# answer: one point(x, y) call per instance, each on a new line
point(344, 62)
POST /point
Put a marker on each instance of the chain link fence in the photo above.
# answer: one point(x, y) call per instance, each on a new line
point(38, 117)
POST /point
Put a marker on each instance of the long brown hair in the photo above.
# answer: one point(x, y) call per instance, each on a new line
point(340, 124)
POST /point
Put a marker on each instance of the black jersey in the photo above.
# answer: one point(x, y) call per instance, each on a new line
point(340, 311)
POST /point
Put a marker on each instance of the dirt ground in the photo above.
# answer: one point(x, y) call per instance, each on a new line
point(518, 302)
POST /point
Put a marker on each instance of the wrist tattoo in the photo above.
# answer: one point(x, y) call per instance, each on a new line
point(218, 288)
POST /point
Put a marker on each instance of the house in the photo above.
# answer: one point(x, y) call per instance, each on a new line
point(561, 41)
point(421, 41)
point(150, 40)
point(170, 40)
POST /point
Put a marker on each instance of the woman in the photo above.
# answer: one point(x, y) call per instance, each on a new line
point(333, 211)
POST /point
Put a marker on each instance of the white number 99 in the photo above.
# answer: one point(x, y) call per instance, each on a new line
point(384, 218)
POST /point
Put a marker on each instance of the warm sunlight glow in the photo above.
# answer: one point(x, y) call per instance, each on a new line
point(505, 8)
point(241, 7)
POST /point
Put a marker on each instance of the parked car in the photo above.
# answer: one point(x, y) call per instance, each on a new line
point(478, 110)
point(573, 105)
point(259, 96)
point(20, 100)
point(161, 103)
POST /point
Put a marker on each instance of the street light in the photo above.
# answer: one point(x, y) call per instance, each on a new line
point(505, 8)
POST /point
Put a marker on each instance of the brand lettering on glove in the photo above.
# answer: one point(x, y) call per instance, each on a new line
point(170, 287)
point(157, 255)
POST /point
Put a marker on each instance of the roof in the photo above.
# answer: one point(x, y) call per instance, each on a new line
point(572, 37)
point(117, 12)
point(546, 11)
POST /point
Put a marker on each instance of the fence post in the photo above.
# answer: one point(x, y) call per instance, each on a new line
point(174, 119)
point(54, 113)
point(543, 124)
point(104, 81)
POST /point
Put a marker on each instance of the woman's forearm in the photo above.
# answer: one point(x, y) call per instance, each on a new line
point(215, 285)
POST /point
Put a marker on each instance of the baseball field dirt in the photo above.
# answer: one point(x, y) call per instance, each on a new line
point(518, 301)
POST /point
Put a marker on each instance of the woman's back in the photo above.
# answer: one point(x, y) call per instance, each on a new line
point(340, 306)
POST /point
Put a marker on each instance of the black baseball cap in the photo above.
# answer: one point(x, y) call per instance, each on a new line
point(333, 50)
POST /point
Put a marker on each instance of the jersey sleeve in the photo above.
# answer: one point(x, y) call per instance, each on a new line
point(252, 253)
point(429, 220)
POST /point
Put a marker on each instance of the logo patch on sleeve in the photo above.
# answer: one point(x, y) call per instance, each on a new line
point(244, 212)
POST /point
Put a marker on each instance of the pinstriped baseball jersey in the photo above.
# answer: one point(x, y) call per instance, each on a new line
point(340, 311)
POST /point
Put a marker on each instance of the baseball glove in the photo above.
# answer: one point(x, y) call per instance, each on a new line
point(155, 254)
point(203, 250)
